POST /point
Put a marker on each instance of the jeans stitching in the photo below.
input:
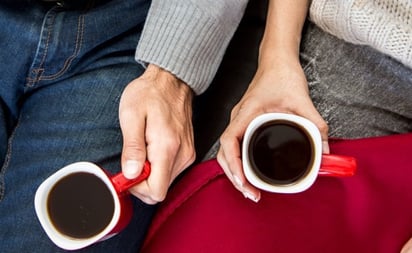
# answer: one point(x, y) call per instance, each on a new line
point(38, 71)
point(49, 32)
point(78, 42)
point(7, 161)
point(69, 60)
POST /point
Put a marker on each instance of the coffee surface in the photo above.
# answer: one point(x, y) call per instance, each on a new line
point(80, 205)
point(280, 152)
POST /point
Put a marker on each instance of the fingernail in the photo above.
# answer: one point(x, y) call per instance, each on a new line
point(132, 169)
point(252, 197)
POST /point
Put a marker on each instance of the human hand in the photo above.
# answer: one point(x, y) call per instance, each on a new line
point(280, 88)
point(407, 248)
point(155, 115)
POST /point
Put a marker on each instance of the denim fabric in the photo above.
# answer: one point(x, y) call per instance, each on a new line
point(62, 75)
point(359, 91)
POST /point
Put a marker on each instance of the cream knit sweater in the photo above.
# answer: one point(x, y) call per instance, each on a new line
point(385, 25)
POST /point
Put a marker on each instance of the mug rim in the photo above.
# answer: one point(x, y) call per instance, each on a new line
point(40, 202)
point(308, 178)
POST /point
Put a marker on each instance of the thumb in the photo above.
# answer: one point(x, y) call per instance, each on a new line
point(134, 146)
point(313, 115)
point(132, 169)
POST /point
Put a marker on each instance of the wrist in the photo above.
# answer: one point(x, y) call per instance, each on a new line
point(278, 59)
point(167, 82)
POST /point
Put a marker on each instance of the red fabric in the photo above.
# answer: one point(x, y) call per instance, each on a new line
point(369, 212)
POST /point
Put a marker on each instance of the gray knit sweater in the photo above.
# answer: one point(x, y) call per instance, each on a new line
point(189, 37)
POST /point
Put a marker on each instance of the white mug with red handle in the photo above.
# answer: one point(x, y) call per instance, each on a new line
point(82, 204)
point(282, 153)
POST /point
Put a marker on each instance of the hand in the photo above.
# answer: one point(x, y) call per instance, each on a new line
point(407, 248)
point(155, 115)
point(280, 88)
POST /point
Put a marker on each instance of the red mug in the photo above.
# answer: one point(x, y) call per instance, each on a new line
point(82, 204)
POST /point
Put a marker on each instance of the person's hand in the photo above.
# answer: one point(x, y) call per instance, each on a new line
point(280, 88)
point(155, 115)
point(407, 248)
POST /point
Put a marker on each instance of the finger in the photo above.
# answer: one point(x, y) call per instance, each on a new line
point(146, 199)
point(407, 248)
point(134, 145)
point(230, 172)
point(154, 189)
point(229, 156)
point(236, 176)
point(162, 151)
point(313, 115)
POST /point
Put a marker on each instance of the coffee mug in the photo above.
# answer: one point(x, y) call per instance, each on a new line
point(82, 204)
point(283, 153)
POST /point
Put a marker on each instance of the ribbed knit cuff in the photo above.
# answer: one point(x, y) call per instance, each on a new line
point(186, 40)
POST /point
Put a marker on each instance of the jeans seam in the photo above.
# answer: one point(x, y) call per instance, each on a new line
point(7, 161)
point(38, 71)
point(69, 60)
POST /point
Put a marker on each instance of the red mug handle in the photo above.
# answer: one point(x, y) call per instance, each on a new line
point(337, 165)
point(121, 183)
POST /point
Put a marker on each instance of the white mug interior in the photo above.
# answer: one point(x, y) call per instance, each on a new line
point(40, 202)
point(303, 183)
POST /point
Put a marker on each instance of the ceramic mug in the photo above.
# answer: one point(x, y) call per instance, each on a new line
point(283, 153)
point(82, 204)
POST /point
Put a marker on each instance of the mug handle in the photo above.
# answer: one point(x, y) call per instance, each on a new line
point(121, 183)
point(337, 165)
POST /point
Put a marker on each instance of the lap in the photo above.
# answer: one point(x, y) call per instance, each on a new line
point(58, 125)
point(369, 212)
point(359, 91)
point(62, 116)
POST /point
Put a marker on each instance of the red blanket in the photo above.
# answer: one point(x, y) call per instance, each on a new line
point(369, 212)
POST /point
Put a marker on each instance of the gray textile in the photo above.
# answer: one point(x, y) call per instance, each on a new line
point(358, 91)
point(174, 40)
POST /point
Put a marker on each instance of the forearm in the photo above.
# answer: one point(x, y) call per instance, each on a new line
point(279, 85)
point(282, 35)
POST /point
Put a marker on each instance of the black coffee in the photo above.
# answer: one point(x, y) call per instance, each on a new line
point(80, 205)
point(280, 152)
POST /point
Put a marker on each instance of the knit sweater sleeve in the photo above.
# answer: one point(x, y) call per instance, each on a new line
point(385, 25)
point(189, 37)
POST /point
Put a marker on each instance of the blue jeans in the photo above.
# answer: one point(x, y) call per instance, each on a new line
point(62, 75)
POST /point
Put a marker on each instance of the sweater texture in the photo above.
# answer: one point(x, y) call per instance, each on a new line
point(189, 38)
point(385, 25)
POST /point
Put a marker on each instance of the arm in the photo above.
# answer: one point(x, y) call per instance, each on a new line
point(182, 43)
point(279, 85)
point(155, 117)
point(189, 38)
